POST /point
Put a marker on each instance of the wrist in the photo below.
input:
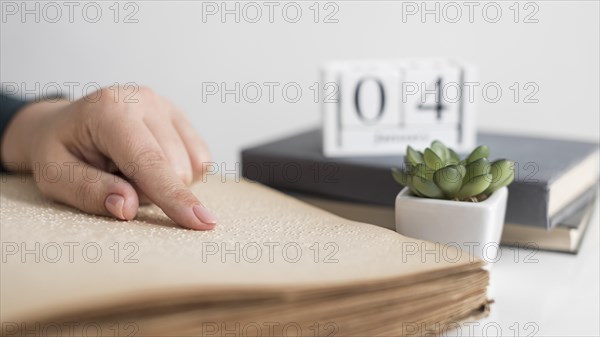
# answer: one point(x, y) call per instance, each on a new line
point(22, 131)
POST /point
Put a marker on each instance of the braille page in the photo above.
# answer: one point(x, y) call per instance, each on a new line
point(57, 260)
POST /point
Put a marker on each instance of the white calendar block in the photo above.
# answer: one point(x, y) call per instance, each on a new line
point(380, 107)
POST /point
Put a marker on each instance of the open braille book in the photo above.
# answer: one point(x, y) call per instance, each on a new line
point(273, 266)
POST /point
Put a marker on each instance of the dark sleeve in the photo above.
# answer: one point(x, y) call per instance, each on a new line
point(8, 109)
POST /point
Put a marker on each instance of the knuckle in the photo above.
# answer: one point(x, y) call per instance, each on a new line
point(148, 158)
point(146, 92)
point(108, 98)
point(180, 194)
point(84, 195)
point(142, 95)
point(79, 194)
point(199, 164)
point(109, 104)
point(109, 107)
point(178, 115)
point(185, 176)
point(107, 110)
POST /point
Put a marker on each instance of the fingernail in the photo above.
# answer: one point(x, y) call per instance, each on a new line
point(204, 215)
point(114, 204)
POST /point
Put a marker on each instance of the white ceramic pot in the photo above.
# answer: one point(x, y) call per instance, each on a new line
point(476, 227)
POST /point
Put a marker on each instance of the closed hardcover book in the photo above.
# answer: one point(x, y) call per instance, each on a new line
point(565, 237)
point(552, 175)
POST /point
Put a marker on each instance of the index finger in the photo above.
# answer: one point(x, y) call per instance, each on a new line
point(131, 142)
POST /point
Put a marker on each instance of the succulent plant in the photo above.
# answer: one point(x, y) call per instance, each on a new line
point(438, 172)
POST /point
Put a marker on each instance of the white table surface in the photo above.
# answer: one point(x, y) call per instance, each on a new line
point(544, 294)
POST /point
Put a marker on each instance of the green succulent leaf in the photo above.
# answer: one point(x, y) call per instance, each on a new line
point(449, 180)
point(462, 169)
point(432, 160)
point(481, 151)
point(415, 192)
point(479, 167)
point(454, 158)
point(413, 157)
point(427, 188)
point(421, 171)
point(498, 185)
point(475, 186)
point(409, 184)
point(502, 168)
point(441, 150)
point(400, 177)
point(503, 174)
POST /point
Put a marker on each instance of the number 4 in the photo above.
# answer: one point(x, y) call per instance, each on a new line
point(438, 107)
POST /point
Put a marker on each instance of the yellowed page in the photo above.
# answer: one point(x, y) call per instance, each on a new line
point(275, 244)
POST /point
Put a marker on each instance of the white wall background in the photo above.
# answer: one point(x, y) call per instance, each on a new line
point(172, 50)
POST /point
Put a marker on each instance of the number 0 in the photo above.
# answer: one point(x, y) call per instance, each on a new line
point(357, 100)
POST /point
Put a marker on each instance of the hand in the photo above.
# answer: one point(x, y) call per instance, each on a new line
point(110, 155)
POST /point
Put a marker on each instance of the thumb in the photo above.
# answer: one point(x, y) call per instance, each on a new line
point(75, 183)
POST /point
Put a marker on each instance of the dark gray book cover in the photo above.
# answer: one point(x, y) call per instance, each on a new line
point(297, 163)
